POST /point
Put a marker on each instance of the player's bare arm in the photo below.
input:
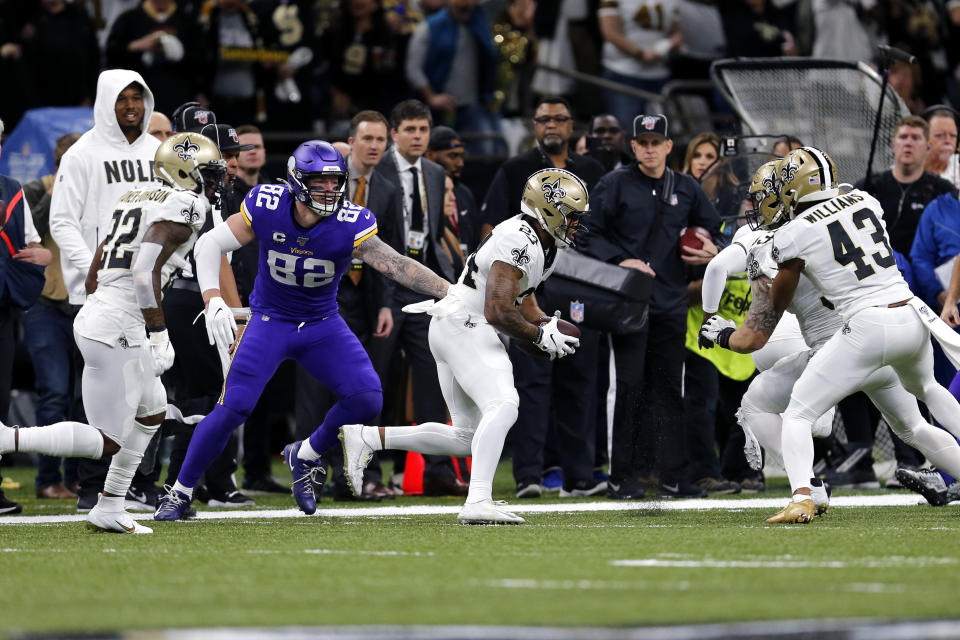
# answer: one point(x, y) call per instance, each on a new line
point(90, 284)
point(760, 322)
point(168, 236)
point(500, 310)
point(785, 284)
point(531, 310)
point(401, 269)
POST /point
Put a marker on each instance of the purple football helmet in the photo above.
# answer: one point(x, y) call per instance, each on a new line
point(313, 159)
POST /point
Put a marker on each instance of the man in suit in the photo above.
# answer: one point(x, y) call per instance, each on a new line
point(446, 149)
point(418, 227)
point(364, 300)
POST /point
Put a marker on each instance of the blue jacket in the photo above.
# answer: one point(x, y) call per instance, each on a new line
point(20, 282)
point(443, 47)
point(937, 240)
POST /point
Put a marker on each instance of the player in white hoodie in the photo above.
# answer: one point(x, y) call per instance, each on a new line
point(107, 161)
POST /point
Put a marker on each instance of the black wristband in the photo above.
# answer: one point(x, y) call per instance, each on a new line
point(156, 329)
point(723, 338)
point(539, 335)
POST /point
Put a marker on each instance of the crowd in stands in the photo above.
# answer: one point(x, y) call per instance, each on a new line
point(430, 83)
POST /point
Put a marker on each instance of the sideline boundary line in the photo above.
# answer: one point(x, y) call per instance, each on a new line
point(892, 500)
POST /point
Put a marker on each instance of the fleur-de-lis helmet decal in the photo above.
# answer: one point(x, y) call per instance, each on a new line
point(553, 192)
point(189, 161)
point(186, 148)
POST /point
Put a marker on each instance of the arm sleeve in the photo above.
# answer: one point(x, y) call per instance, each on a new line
point(66, 205)
point(923, 257)
point(417, 55)
point(728, 262)
point(29, 229)
point(207, 252)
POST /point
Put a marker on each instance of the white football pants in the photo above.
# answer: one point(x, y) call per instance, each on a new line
point(476, 378)
point(118, 385)
point(871, 339)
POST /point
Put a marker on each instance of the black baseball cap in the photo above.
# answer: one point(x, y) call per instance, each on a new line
point(443, 139)
point(650, 124)
point(192, 116)
point(225, 136)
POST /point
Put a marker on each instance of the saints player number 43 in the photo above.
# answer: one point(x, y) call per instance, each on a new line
point(846, 252)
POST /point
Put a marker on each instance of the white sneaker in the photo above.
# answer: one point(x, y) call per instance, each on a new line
point(114, 522)
point(356, 456)
point(488, 512)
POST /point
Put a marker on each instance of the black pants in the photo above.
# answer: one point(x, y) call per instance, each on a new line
point(558, 402)
point(8, 324)
point(711, 400)
point(648, 426)
point(410, 333)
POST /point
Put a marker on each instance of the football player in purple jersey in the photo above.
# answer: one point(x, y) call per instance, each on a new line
point(308, 235)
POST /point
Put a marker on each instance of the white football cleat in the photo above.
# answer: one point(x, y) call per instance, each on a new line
point(114, 522)
point(488, 512)
point(356, 456)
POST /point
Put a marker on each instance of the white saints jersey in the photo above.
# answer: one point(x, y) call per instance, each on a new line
point(844, 245)
point(136, 210)
point(816, 315)
point(512, 241)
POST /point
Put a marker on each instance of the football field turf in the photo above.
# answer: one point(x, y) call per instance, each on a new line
point(649, 564)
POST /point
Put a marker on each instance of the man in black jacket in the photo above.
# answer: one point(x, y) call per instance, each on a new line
point(560, 393)
point(906, 189)
point(637, 214)
point(447, 149)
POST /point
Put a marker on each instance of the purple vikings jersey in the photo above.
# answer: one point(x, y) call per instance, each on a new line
point(300, 269)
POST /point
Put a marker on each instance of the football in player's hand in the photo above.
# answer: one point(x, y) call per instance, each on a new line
point(566, 328)
point(532, 349)
point(690, 237)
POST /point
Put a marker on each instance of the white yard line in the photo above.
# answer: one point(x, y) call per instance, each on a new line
point(891, 500)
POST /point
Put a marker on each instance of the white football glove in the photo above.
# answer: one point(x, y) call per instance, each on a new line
point(557, 344)
point(711, 331)
point(161, 351)
point(221, 327)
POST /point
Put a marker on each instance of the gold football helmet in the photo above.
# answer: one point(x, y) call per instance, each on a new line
point(557, 199)
point(190, 161)
point(806, 175)
point(764, 194)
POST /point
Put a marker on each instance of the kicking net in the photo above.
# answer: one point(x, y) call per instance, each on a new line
point(829, 104)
